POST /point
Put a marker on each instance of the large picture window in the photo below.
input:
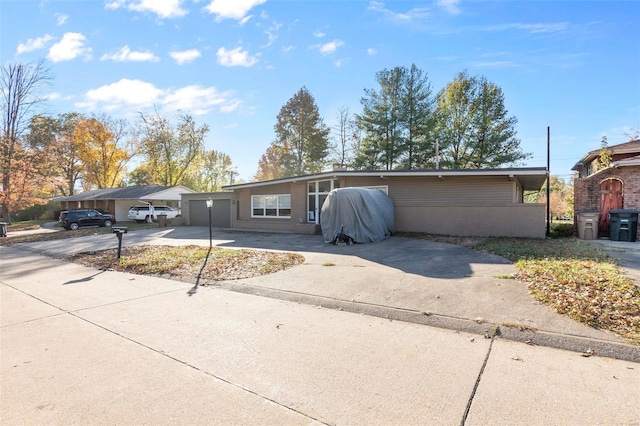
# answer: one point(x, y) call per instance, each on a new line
point(271, 206)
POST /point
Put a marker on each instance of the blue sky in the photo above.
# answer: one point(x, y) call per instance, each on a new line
point(570, 65)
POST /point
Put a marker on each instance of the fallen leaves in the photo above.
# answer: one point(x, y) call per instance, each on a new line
point(588, 291)
point(192, 261)
point(588, 353)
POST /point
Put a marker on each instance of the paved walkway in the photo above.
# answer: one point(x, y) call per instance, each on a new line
point(102, 347)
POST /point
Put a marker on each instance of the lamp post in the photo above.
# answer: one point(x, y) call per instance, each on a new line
point(209, 205)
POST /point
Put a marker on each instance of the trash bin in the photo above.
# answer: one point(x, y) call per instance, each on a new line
point(588, 224)
point(623, 224)
point(3, 229)
point(162, 220)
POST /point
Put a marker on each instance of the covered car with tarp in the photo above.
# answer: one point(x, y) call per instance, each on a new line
point(356, 215)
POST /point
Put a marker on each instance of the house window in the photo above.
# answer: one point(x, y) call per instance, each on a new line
point(105, 205)
point(276, 206)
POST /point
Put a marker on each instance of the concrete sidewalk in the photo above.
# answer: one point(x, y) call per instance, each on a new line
point(81, 346)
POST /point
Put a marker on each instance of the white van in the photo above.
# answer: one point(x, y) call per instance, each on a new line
point(143, 213)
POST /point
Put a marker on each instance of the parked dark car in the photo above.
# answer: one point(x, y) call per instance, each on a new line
point(73, 219)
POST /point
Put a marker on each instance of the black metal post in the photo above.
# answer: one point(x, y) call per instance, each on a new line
point(119, 235)
point(548, 233)
point(210, 230)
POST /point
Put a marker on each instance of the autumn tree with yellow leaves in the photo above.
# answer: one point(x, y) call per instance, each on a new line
point(54, 137)
point(171, 152)
point(104, 150)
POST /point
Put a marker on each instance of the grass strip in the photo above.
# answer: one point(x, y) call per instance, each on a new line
point(576, 279)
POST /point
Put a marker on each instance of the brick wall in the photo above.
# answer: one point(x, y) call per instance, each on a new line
point(509, 220)
point(587, 190)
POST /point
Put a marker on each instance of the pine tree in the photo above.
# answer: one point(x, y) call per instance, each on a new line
point(301, 145)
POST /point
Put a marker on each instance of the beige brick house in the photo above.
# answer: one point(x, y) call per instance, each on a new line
point(601, 188)
point(447, 202)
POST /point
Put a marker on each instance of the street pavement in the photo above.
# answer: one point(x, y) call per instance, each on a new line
point(397, 332)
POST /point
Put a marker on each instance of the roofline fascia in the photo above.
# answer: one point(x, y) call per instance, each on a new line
point(187, 191)
point(626, 163)
point(592, 155)
point(531, 171)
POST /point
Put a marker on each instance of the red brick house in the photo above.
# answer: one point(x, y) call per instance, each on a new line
point(602, 188)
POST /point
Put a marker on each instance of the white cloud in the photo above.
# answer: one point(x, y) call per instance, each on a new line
point(185, 56)
point(245, 20)
point(338, 63)
point(230, 105)
point(414, 14)
point(70, 47)
point(329, 48)
point(134, 95)
point(235, 57)
point(272, 33)
point(319, 34)
point(532, 28)
point(163, 8)
point(493, 64)
point(450, 6)
point(126, 55)
point(53, 96)
point(371, 51)
point(232, 9)
point(123, 92)
point(287, 49)
point(61, 18)
point(198, 100)
point(115, 4)
point(34, 44)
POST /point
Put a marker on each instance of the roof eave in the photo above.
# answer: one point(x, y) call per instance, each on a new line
point(626, 163)
point(511, 172)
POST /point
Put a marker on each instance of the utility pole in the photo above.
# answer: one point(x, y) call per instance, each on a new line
point(548, 182)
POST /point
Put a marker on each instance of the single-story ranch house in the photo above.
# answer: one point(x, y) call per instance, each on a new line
point(448, 202)
point(117, 201)
point(604, 188)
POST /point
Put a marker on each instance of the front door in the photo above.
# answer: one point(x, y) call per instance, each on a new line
point(610, 199)
point(317, 192)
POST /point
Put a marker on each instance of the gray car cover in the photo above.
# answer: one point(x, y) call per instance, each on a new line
point(363, 215)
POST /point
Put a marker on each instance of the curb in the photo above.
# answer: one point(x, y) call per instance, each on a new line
point(586, 346)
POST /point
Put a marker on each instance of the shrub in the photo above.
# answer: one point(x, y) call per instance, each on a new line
point(562, 230)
